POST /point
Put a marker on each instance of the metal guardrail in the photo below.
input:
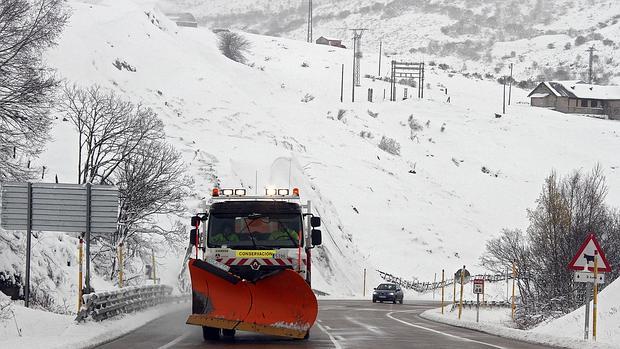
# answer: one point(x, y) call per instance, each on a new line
point(103, 305)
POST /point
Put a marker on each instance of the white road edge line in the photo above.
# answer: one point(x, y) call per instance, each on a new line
point(389, 315)
point(336, 344)
point(175, 341)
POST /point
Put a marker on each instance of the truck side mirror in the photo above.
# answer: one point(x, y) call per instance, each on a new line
point(315, 222)
point(316, 237)
point(193, 237)
point(195, 221)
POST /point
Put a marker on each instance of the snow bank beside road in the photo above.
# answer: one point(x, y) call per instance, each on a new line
point(608, 324)
point(42, 329)
point(495, 321)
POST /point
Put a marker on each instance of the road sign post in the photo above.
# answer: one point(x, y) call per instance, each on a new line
point(587, 269)
point(61, 208)
point(478, 289)
point(463, 276)
point(595, 301)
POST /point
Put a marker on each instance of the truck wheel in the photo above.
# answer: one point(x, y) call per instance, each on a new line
point(210, 333)
point(229, 333)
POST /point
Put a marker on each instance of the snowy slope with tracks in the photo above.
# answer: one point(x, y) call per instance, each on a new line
point(431, 207)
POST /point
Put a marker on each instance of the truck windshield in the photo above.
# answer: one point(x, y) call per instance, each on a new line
point(254, 231)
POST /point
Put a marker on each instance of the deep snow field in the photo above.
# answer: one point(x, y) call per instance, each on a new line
point(233, 121)
point(429, 208)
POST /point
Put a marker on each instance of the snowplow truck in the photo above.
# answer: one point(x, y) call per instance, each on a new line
point(251, 269)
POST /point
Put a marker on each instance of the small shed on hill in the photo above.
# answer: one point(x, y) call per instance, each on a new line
point(184, 19)
point(330, 42)
point(577, 97)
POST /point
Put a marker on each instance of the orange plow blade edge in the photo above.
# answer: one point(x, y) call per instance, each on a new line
point(280, 304)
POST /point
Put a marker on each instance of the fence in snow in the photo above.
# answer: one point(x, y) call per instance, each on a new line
point(103, 305)
point(429, 286)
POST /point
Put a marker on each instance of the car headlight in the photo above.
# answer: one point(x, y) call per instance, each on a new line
point(375, 292)
point(391, 293)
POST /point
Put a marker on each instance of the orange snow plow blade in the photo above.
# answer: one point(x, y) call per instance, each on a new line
point(280, 304)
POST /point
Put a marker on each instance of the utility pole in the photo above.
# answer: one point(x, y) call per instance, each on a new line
point(309, 35)
point(380, 49)
point(353, 80)
point(591, 50)
point(504, 97)
point(357, 54)
point(342, 85)
point(510, 86)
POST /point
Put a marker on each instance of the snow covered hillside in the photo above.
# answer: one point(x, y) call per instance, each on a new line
point(457, 179)
point(485, 35)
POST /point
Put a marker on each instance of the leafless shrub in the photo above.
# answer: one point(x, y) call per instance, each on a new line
point(373, 114)
point(307, 98)
point(341, 113)
point(366, 134)
point(389, 145)
point(234, 46)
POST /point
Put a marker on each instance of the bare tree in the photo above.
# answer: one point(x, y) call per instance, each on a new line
point(26, 29)
point(110, 129)
point(152, 184)
point(233, 46)
point(568, 209)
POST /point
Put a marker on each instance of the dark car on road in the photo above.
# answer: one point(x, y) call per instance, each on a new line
point(388, 292)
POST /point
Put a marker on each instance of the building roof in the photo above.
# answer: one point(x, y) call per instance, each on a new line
point(181, 17)
point(328, 39)
point(579, 89)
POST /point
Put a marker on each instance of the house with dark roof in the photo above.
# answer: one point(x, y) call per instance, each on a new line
point(577, 97)
point(330, 42)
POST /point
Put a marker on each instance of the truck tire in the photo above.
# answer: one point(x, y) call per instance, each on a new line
point(210, 333)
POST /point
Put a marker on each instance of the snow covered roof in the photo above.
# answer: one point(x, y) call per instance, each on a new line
point(579, 89)
point(181, 17)
point(539, 95)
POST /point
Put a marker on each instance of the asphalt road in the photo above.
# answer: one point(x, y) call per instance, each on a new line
point(341, 324)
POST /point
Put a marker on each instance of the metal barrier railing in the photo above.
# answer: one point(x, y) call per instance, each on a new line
point(103, 305)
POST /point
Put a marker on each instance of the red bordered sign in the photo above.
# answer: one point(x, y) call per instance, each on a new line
point(584, 259)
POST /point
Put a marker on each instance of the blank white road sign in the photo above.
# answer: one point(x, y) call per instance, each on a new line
point(59, 207)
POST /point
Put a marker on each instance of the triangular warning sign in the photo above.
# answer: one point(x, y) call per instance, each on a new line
point(585, 257)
